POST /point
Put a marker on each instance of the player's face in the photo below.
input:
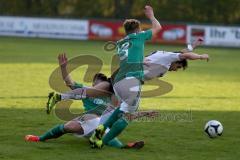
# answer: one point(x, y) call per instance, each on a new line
point(175, 67)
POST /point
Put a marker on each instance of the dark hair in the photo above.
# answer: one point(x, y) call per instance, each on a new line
point(130, 25)
point(100, 76)
point(183, 62)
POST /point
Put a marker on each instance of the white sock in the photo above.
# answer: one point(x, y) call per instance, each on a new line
point(81, 94)
point(66, 96)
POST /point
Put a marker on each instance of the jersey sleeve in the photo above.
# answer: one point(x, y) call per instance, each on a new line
point(145, 35)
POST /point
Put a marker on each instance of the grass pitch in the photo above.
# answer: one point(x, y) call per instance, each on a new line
point(203, 92)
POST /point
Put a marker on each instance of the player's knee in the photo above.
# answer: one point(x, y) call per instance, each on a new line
point(68, 127)
point(72, 127)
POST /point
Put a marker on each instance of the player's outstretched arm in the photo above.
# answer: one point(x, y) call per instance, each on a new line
point(62, 59)
point(194, 56)
point(191, 47)
point(156, 27)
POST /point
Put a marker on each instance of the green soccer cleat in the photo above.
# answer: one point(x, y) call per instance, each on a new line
point(53, 98)
point(96, 139)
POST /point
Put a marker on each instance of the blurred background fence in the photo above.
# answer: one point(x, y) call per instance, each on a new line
point(216, 21)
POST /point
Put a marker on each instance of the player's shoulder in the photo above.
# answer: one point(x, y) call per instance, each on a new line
point(144, 33)
point(136, 34)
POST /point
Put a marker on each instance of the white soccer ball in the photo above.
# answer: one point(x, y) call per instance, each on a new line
point(213, 128)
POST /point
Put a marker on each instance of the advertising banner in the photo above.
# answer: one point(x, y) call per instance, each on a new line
point(172, 33)
point(215, 35)
point(44, 27)
point(105, 30)
point(110, 30)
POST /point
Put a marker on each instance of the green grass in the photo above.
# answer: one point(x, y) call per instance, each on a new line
point(205, 91)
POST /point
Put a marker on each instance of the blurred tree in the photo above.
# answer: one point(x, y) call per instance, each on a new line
point(122, 8)
point(200, 11)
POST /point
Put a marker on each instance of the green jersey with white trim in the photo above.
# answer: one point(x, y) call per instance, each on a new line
point(131, 52)
point(93, 103)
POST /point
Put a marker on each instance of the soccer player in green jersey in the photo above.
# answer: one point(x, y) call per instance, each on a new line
point(97, 110)
point(127, 82)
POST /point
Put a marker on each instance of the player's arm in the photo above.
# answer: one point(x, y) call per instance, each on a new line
point(156, 27)
point(62, 59)
point(193, 56)
point(191, 47)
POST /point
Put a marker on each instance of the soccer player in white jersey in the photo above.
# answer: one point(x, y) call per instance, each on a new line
point(159, 62)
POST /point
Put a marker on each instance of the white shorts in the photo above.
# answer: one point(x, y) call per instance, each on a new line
point(128, 90)
point(89, 122)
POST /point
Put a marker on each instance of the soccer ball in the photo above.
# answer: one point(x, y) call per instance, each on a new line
point(213, 128)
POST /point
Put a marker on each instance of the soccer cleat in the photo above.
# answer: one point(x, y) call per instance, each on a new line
point(135, 145)
point(92, 140)
point(98, 133)
point(53, 98)
point(97, 144)
point(96, 139)
point(32, 138)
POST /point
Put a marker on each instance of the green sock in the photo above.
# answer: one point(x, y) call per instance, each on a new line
point(55, 132)
point(116, 129)
point(113, 118)
point(115, 143)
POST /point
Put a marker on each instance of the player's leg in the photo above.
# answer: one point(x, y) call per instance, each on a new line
point(100, 90)
point(57, 131)
point(128, 91)
point(89, 123)
point(82, 125)
point(116, 143)
point(105, 115)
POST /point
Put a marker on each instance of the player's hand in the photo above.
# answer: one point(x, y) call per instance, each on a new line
point(62, 59)
point(205, 57)
point(198, 42)
point(149, 12)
